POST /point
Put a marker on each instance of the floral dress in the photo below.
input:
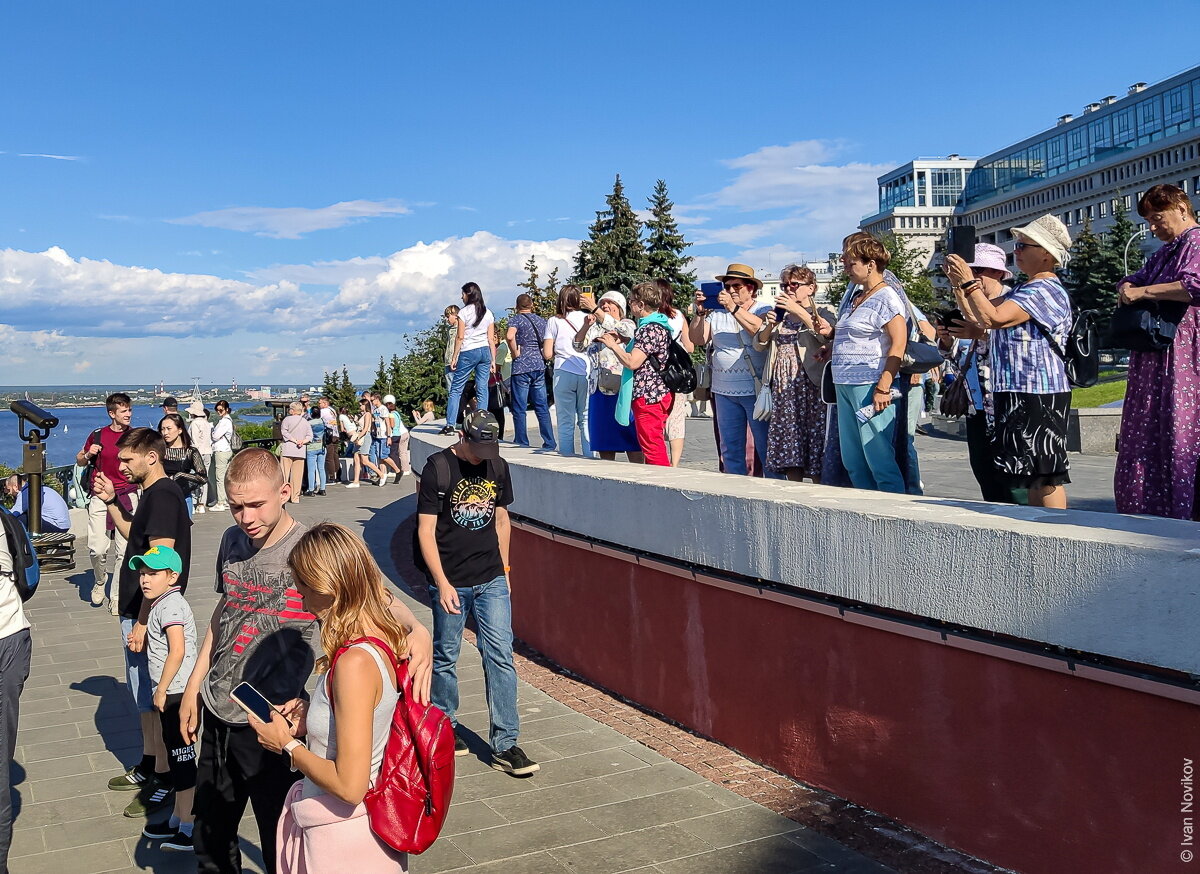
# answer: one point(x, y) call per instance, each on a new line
point(796, 438)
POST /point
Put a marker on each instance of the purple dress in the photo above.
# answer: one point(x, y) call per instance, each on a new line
point(1159, 452)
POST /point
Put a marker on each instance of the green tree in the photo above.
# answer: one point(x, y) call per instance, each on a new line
point(420, 371)
point(382, 382)
point(613, 255)
point(543, 298)
point(1082, 274)
point(907, 265)
point(665, 247)
point(338, 388)
point(1098, 263)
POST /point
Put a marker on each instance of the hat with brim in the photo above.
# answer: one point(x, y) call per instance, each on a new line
point(157, 558)
point(741, 271)
point(482, 432)
point(617, 298)
point(1049, 233)
point(195, 408)
point(991, 257)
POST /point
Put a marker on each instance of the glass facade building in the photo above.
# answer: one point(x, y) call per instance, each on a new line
point(1107, 130)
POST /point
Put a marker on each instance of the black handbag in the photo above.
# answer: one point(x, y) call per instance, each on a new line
point(1147, 326)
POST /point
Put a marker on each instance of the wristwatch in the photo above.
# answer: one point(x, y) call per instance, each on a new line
point(290, 747)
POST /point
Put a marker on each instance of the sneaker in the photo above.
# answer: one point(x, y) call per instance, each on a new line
point(382, 481)
point(131, 779)
point(447, 431)
point(97, 594)
point(352, 485)
point(200, 509)
point(321, 493)
point(159, 831)
point(513, 761)
point(179, 841)
point(219, 508)
point(154, 797)
point(460, 746)
point(112, 607)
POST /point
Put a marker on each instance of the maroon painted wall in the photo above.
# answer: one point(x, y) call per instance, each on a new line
point(1028, 768)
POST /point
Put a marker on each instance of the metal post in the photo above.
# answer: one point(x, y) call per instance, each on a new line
point(1141, 232)
point(34, 459)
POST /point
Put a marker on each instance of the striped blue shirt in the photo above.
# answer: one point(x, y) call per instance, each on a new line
point(1022, 359)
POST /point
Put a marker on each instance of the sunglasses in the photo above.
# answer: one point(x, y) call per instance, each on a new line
point(1021, 245)
point(733, 286)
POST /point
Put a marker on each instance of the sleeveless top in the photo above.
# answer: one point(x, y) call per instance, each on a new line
point(322, 726)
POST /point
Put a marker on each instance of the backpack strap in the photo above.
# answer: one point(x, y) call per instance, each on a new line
point(352, 643)
point(441, 470)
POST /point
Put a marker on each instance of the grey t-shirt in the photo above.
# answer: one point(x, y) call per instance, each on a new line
point(265, 637)
point(170, 608)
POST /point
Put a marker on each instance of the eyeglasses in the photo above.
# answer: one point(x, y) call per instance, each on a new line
point(734, 286)
point(1021, 245)
point(794, 285)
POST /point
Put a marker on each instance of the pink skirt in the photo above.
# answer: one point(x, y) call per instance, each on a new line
point(323, 834)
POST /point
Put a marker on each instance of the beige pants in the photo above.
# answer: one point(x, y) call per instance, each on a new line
point(293, 472)
point(101, 542)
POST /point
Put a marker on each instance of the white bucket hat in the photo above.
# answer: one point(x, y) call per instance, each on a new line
point(617, 298)
point(1049, 233)
point(992, 258)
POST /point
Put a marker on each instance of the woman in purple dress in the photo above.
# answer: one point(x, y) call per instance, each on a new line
point(1157, 462)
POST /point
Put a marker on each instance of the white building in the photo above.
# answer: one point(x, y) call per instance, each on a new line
point(1080, 168)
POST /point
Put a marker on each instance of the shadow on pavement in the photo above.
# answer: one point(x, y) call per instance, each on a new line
point(115, 717)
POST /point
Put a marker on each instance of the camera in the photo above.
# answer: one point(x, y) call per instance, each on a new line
point(34, 415)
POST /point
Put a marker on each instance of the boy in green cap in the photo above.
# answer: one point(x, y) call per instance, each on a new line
point(171, 651)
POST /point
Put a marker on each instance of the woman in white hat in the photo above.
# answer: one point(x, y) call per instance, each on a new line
point(200, 432)
point(966, 344)
point(607, 436)
point(1031, 396)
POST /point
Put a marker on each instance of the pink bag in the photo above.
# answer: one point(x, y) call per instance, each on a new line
point(323, 834)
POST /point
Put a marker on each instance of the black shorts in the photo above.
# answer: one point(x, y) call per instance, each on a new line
point(180, 756)
point(1029, 438)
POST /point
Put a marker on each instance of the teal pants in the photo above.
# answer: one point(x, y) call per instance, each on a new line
point(868, 448)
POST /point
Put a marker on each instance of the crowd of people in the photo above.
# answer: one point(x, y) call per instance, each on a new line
point(292, 599)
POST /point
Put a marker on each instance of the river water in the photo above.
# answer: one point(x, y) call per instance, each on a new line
point(74, 425)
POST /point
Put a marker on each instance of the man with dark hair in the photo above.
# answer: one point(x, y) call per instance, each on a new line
point(170, 405)
point(100, 453)
point(161, 519)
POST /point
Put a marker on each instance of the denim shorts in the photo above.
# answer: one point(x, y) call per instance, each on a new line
point(137, 671)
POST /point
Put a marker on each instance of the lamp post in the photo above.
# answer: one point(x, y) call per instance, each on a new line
point(1140, 232)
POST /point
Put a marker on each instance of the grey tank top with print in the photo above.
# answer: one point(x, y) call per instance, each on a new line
point(322, 726)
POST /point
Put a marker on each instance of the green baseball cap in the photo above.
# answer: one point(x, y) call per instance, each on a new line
point(157, 558)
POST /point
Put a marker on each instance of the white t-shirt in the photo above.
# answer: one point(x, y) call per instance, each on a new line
point(861, 346)
point(677, 323)
point(475, 336)
point(562, 332)
point(733, 355)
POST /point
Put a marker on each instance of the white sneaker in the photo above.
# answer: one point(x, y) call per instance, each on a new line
point(112, 606)
point(97, 594)
point(219, 508)
point(353, 485)
point(383, 480)
point(200, 509)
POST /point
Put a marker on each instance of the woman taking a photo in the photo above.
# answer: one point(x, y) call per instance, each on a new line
point(1159, 452)
point(182, 462)
point(728, 333)
point(796, 437)
point(1031, 397)
point(222, 444)
point(868, 345)
point(570, 372)
point(606, 435)
point(474, 352)
point(350, 715)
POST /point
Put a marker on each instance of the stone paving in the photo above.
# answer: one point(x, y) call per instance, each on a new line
point(601, 803)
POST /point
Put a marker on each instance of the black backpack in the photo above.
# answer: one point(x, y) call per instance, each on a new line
point(1082, 353)
point(25, 573)
point(678, 373)
point(497, 471)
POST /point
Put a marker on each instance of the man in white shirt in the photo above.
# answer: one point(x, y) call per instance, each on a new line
point(15, 649)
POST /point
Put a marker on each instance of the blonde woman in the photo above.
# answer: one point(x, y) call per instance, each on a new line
point(350, 715)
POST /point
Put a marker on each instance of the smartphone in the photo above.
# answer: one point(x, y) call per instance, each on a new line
point(780, 312)
point(960, 241)
point(951, 315)
point(252, 701)
point(712, 291)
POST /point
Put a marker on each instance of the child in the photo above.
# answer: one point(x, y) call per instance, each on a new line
point(171, 647)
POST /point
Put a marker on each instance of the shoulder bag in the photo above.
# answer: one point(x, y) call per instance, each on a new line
point(956, 400)
point(919, 356)
point(762, 387)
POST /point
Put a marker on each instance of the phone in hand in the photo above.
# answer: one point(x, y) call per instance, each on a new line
point(780, 312)
point(946, 317)
point(252, 701)
point(960, 241)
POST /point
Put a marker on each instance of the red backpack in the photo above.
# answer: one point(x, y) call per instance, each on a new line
point(407, 805)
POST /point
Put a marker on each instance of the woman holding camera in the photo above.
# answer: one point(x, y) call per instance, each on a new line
point(796, 436)
point(1031, 397)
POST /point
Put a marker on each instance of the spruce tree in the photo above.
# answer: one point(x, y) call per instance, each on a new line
point(665, 247)
point(1082, 275)
point(613, 255)
point(381, 378)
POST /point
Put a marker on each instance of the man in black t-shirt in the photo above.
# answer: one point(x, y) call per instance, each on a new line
point(463, 533)
point(161, 519)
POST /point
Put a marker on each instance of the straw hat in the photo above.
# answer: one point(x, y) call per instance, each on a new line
point(741, 271)
point(1049, 233)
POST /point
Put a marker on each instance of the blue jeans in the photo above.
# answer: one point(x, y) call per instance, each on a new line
point(380, 448)
point(316, 470)
point(733, 415)
point(493, 618)
point(527, 386)
point(570, 408)
point(479, 362)
point(916, 403)
point(868, 448)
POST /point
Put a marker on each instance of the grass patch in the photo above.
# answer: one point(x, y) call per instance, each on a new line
point(1098, 395)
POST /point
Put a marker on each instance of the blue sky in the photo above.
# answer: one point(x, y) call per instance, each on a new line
point(267, 189)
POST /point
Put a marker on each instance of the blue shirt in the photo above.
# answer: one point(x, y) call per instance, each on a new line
point(54, 509)
point(531, 328)
point(1022, 359)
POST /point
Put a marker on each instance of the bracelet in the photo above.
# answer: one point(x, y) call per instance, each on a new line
point(968, 284)
point(108, 503)
point(883, 391)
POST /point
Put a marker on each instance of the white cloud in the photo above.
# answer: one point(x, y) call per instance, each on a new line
point(52, 157)
point(292, 222)
point(321, 272)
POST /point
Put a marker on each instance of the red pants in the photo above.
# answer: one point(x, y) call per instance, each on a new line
point(650, 421)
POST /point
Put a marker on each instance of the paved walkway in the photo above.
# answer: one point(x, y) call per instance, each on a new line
point(601, 803)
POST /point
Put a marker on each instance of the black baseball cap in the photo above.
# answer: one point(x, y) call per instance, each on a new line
point(169, 401)
point(482, 431)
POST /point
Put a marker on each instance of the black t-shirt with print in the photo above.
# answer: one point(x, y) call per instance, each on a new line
point(466, 523)
point(160, 512)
